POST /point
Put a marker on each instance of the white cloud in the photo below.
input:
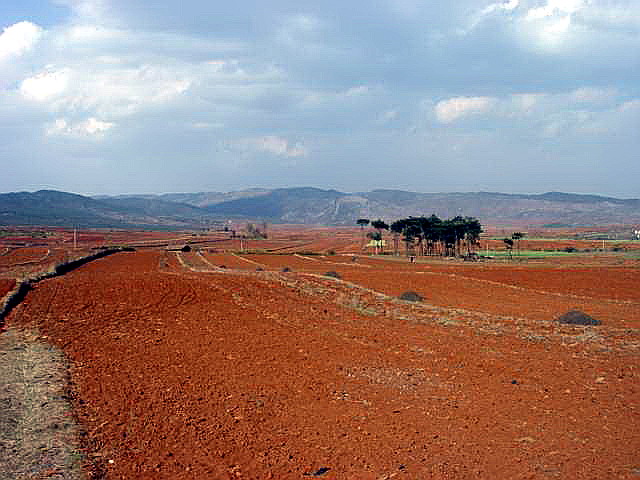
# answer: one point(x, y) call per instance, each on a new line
point(91, 33)
point(46, 85)
point(108, 91)
point(554, 7)
point(592, 95)
point(552, 25)
point(560, 25)
point(277, 146)
point(89, 128)
point(357, 91)
point(18, 38)
point(86, 8)
point(623, 16)
point(508, 6)
point(630, 106)
point(525, 102)
point(575, 111)
point(452, 109)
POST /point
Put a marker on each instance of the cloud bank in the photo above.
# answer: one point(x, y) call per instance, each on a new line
point(515, 95)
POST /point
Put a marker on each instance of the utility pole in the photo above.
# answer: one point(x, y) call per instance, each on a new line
point(75, 237)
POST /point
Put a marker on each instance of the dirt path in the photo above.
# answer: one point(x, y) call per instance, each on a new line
point(38, 435)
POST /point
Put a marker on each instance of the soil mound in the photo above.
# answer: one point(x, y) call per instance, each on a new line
point(576, 317)
point(411, 297)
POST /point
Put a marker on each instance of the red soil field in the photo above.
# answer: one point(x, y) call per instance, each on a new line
point(537, 293)
point(277, 262)
point(604, 282)
point(229, 261)
point(6, 285)
point(463, 292)
point(182, 374)
point(22, 255)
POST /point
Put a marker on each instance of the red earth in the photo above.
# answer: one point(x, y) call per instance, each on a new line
point(185, 370)
point(17, 256)
point(6, 285)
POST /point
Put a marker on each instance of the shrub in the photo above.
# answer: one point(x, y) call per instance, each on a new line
point(286, 269)
point(332, 274)
point(411, 297)
point(570, 249)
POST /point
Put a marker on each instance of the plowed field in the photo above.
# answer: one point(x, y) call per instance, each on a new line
point(185, 373)
point(23, 255)
point(6, 285)
point(536, 293)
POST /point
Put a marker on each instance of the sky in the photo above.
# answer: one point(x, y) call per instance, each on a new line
point(132, 96)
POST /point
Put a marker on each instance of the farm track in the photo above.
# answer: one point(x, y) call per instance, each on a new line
point(184, 371)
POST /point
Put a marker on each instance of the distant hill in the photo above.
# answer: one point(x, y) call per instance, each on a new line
point(286, 205)
point(200, 199)
point(50, 207)
point(310, 206)
point(330, 207)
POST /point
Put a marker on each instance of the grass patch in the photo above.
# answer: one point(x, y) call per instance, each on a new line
point(37, 431)
point(533, 253)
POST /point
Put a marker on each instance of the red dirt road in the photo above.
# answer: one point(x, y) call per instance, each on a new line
point(181, 374)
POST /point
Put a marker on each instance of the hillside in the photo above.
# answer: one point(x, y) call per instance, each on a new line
point(50, 207)
point(336, 208)
point(310, 206)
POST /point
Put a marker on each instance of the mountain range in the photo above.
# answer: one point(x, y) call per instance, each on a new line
point(309, 206)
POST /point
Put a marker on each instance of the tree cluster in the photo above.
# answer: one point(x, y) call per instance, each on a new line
point(434, 236)
point(430, 235)
point(256, 232)
point(509, 242)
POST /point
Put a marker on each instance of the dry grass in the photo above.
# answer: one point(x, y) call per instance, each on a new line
point(38, 435)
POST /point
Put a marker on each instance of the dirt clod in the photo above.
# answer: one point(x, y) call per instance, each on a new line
point(411, 297)
point(576, 317)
